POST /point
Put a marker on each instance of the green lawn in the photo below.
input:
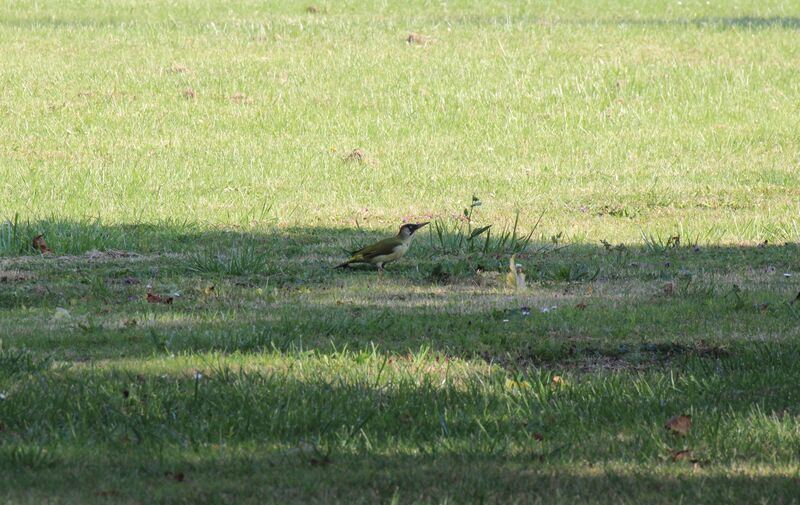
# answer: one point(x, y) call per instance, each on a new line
point(204, 149)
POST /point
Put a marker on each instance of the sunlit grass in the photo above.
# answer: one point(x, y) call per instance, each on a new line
point(641, 158)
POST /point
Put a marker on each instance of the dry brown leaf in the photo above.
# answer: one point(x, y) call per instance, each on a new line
point(417, 38)
point(679, 424)
point(155, 298)
point(40, 245)
point(681, 455)
point(357, 156)
point(581, 306)
point(557, 380)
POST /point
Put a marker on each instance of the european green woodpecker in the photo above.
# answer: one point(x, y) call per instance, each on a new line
point(387, 250)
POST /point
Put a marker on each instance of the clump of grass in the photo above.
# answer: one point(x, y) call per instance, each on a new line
point(681, 239)
point(241, 259)
point(464, 236)
point(34, 457)
point(11, 241)
point(21, 361)
point(572, 273)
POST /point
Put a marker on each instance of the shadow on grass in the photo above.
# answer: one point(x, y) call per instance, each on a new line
point(635, 303)
point(341, 401)
point(334, 433)
point(393, 479)
point(722, 22)
point(704, 348)
point(726, 22)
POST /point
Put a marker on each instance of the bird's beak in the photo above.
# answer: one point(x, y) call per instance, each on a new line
point(420, 225)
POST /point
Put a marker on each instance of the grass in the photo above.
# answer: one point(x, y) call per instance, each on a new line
point(649, 148)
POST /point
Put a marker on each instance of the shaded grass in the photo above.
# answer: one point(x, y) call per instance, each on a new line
point(357, 375)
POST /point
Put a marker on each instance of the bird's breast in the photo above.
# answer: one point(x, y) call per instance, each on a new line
point(396, 254)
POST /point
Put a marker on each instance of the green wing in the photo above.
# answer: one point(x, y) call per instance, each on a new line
point(385, 246)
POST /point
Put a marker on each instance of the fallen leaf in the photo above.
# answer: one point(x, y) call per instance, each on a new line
point(40, 245)
point(681, 455)
point(557, 380)
point(153, 298)
point(679, 424)
point(581, 306)
point(417, 38)
point(356, 155)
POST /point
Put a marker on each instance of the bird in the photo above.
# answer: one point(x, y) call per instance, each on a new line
point(387, 250)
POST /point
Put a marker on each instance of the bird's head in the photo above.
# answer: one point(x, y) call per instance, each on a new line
point(408, 229)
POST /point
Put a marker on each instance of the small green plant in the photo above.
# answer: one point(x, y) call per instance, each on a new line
point(464, 236)
point(34, 457)
point(241, 259)
point(681, 239)
point(657, 244)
